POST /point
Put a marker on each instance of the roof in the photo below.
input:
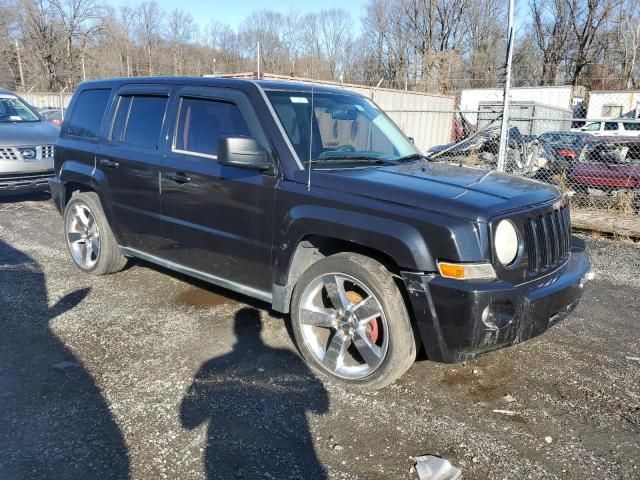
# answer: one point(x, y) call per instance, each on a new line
point(614, 139)
point(218, 82)
point(609, 92)
point(567, 132)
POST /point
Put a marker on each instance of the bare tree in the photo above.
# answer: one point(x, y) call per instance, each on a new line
point(149, 17)
point(587, 17)
point(181, 31)
point(551, 29)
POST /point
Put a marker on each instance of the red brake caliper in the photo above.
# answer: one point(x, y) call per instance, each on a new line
point(373, 333)
point(372, 329)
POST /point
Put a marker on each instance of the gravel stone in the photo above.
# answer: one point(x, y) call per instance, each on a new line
point(167, 383)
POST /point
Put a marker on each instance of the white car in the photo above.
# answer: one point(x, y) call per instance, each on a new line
point(613, 127)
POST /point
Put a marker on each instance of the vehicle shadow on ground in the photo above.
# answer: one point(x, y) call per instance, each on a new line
point(54, 422)
point(254, 401)
point(25, 197)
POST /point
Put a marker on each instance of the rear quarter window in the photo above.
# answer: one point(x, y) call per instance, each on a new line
point(86, 117)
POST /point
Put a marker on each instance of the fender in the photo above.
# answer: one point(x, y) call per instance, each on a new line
point(401, 242)
point(93, 179)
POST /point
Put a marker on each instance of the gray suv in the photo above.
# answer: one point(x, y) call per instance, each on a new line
point(26, 146)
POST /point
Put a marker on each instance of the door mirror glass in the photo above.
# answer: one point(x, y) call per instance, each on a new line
point(244, 152)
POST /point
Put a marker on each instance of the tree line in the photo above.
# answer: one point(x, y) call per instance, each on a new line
point(426, 45)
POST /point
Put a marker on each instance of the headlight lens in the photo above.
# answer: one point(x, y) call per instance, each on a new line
point(506, 242)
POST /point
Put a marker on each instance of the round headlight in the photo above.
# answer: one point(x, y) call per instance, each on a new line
point(506, 242)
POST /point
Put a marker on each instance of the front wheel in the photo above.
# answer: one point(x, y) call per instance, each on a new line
point(350, 321)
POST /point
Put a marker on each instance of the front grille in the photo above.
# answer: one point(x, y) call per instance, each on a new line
point(547, 239)
point(47, 151)
point(9, 153)
point(39, 152)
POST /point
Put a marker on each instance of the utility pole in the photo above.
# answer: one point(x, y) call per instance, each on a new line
point(258, 59)
point(504, 130)
point(20, 66)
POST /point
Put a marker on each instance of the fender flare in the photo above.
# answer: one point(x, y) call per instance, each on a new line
point(94, 180)
point(395, 239)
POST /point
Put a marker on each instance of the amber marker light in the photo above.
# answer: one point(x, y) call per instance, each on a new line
point(467, 271)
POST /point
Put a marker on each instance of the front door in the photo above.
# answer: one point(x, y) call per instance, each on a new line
point(130, 159)
point(220, 217)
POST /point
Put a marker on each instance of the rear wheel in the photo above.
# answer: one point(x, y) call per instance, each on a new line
point(91, 243)
point(350, 321)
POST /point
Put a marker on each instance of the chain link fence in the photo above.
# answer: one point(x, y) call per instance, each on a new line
point(596, 159)
point(588, 146)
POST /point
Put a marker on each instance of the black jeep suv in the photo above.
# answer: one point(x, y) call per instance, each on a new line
point(311, 199)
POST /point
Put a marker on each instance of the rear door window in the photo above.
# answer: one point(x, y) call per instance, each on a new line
point(138, 121)
point(87, 113)
point(611, 126)
point(201, 123)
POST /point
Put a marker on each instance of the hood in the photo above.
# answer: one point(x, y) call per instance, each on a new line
point(28, 134)
point(446, 188)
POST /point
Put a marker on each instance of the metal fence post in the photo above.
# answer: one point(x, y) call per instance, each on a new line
point(504, 131)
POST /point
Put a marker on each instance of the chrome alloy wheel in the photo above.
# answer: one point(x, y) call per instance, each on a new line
point(83, 236)
point(343, 325)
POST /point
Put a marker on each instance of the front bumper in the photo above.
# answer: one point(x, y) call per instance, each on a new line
point(452, 317)
point(28, 182)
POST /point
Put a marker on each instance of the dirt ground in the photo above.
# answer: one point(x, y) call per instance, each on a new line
point(147, 374)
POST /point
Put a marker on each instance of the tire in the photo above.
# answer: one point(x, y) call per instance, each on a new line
point(385, 343)
point(86, 227)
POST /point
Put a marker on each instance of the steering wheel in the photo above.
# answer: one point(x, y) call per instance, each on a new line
point(345, 148)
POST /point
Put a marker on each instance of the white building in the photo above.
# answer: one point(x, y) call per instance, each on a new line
point(614, 103)
point(565, 97)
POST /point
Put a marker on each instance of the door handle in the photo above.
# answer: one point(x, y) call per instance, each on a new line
point(178, 177)
point(108, 163)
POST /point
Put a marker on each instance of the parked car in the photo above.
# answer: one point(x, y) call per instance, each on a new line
point(560, 149)
point(52, 115)
point(26, 146)
point(609, 166)
point(612, 127)
point(483, 147)
point(311, 199)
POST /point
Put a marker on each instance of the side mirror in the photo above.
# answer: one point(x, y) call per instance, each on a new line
point(244, 152)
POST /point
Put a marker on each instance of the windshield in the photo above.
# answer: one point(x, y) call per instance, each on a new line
point(612, 153)
point(14, 110)
point(562, 139)
point(346, 131)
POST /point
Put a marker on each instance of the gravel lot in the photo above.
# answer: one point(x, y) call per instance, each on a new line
point(147, 374)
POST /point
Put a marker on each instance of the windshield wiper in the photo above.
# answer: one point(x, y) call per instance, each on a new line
point(352, 158)
point(408, 158)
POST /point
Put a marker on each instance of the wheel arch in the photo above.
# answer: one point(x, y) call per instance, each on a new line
point(79, 177)
point(395, 245)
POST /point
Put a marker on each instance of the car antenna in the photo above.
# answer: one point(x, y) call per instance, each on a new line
point(310, 137)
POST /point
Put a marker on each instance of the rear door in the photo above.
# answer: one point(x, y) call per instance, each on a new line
point(611, 128)
point(220, 217)
point(130, 158)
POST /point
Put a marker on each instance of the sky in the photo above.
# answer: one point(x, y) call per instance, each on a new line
point(233, 12)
